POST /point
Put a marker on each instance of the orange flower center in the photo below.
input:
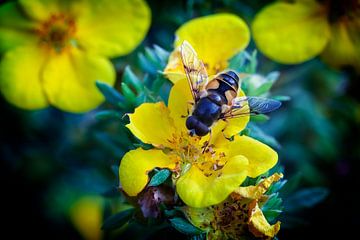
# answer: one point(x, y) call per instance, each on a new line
point(189, 150)
point(57, 33)
point(231, 218)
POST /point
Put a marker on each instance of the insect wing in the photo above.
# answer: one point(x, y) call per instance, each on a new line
point(244, 106)
point(194, 69)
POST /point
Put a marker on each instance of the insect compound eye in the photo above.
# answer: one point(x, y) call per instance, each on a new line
point(201, 129)
point(191, 122)
point(195, 125)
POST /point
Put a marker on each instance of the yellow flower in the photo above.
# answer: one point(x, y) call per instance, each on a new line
point(86, 215)
point(54, 51)
point(295, 32)
point(202, 178)
point(216, 39)
point(238, 215)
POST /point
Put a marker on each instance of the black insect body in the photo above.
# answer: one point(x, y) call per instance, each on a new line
point(208, 109)
point(217, 99)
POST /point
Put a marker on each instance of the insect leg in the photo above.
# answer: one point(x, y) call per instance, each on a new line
point(207, 143)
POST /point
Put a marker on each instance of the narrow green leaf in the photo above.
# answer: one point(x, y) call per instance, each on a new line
point(282, 98)
point(146, 65)
point(184, 226)
point(130, 78)
point(263, 89)
point(305, 198)
point(260, 118)
point(107, 114)
point(252, 62)
point(159, 177)
point(128, 93)
point(110, 94)
point(291, 185)
point(153, 58)
point(273, 76)
point(159, 81)
point(161, 53)
point(260, 135)
point(118, 220)
point(237, 62)
point(276, 187)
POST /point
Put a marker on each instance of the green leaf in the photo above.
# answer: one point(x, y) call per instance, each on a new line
point(153, 58)
point(305, 198)
point(118, 220)
point(158, 82)
point(131, 79)
point(159, 177)
point(273, 207)
point(161, 53)
point(251, 68)
point(237, 62)
point(276, 187)
point(260, 135)
point(291, 185)
point(184, 226)
point(128, 93)
point(282, 98)
point(108, 114)
point(198, 237)
point(110, 94)
point(263, 89)
point(146, 65)
point(260, 118)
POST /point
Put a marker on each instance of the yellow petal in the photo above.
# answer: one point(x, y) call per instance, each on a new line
point(261, 157)
point(174, 70)
point(179, 103)
point(113, 28)
point(230, 127)
point(15, 28)
point(86, 215)
point(344, 46)
point(135, 166)
point(258, 225)
point(200, 217)
point(216, 38)
point(69, 80)
point(291, 32)
point(20, 80)
point(42, 9)
point(151, 123)
point(198, 190)
point(255, 192)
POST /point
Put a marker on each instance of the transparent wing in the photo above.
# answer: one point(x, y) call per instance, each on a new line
point(244, 106)
point(194, 69)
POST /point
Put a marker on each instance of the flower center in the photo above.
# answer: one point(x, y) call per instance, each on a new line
point(193, 152)
point(57, 32)
point(231, 218)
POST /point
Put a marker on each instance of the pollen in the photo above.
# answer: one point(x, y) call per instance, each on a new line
point(231, 218)
point(58, 32)
point(190, 150)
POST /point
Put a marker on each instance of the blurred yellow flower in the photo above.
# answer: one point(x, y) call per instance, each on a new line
point(54, 51)
point(294, 32)
point(238, 215)
point(86, 214)
point(216, 39)
point(202, 178)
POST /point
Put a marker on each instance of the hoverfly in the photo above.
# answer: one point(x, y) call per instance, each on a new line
point(216, 99)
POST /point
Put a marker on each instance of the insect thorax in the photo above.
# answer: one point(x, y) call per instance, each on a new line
point(225, 84)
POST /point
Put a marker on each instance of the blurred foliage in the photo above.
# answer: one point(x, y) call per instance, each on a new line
point(51, 159)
